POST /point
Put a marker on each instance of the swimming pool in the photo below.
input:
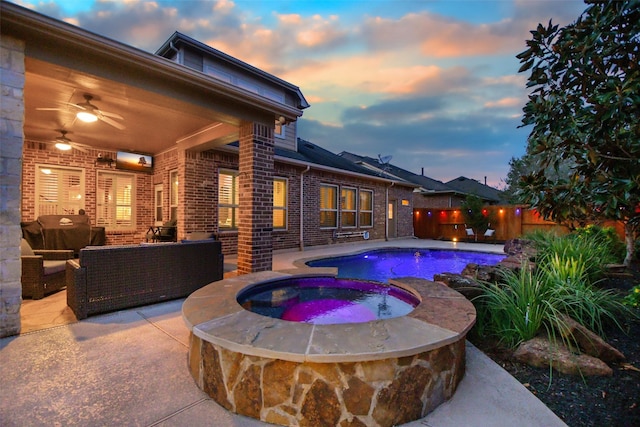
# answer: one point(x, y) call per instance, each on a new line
point(389, 263)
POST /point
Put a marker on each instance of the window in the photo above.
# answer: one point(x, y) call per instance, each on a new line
point(279, 203)
point(228, 200)
point(348, 207)
point(328, 206)
point(158, 204)
point(59, 191)
point(173, 196)
point(366, 208)
point(115, 200)
point(279, 131)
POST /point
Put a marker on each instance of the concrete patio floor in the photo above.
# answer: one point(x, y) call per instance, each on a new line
point(130, 368)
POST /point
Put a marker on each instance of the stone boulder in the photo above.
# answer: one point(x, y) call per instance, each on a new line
point(483, 273)
point(589, 342)
point(463, 284)
point(542, 353)
point(521, 248)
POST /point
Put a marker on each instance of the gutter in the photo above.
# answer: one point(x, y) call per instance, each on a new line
point(302, 207)
point(386, 209)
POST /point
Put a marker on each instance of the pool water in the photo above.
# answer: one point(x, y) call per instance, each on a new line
point(384, 264)
point(327, 300)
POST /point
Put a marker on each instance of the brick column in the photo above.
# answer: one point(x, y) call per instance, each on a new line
point(256, 198)
point(11, 142)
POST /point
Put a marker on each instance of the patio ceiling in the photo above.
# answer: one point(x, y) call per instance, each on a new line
point(152, 122)
point(161, 102)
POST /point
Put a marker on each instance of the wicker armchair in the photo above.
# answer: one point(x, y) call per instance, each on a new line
point(43, 271)
point(167, 232)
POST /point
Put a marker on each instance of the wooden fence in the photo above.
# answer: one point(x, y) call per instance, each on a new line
point(509, 222)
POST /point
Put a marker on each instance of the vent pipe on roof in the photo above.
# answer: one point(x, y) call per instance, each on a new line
point(422, 171)
point(485, 180)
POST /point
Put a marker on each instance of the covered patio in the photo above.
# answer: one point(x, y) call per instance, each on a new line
point(145, 103)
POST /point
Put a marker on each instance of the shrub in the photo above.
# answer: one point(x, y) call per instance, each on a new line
point(563, 283)
point(515, 309)
point(633, 298)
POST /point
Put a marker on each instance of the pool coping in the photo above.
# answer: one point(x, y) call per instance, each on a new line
point(213, 314)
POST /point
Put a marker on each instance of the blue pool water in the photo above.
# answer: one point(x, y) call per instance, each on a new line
point(327, 300)
point(384, 264)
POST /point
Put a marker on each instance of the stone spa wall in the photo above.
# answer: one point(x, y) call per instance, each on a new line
point(377, 374)
point(370, 393)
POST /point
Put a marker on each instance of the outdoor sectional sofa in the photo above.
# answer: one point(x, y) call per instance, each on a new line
point(108, 278)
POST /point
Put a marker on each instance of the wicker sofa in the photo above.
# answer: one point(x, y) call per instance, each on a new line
point(108, 278)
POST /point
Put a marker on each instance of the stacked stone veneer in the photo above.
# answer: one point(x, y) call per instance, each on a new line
point(377, 374)
point(371, 393)
point(12, 70)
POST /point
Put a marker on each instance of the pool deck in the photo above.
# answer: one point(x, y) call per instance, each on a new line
point(130, 368)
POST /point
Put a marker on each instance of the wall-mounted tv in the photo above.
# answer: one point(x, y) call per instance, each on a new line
point(134, 161)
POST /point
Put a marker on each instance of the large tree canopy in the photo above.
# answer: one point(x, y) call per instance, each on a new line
point(585, 111)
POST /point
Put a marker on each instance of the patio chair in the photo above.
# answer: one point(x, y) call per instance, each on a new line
point(490, 234)
point(470, 234)
point(43, 271)
point(167, 232)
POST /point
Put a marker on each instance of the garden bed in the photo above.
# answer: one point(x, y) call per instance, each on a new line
point(592, 401)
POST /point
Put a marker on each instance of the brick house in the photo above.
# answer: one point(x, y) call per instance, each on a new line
point(218, 137)
point(431, 193)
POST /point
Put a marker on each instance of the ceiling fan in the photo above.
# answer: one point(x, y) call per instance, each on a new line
point(90, 113)
point(63, 143)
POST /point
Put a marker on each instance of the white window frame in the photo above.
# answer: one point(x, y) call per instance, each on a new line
point(111, 223)
point(235, 207)
point(59, 206)
point(174, 193)
point(158, 202)
point(335, 202)
point(361, 210)
point(343, 210)
point(280, 130)
point(285, 207)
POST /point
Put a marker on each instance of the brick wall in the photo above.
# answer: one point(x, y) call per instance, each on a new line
point(256, 198)
point(437, 201)
point(38, 153)
point(11, 141)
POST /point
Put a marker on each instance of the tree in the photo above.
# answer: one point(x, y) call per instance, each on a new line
point(475, 215)
point(585, 111)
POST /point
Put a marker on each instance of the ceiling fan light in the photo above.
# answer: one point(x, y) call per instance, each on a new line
point(86, 116)
point(63, 146)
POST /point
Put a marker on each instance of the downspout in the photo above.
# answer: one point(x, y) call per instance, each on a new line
point(302, 207)
point(386, 213)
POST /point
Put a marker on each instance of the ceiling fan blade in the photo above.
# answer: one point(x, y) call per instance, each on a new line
point(49, 109)
point(79, 147)
point(111, 122)
point(112, 115)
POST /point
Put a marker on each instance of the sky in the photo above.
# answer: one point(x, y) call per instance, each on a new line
point(434, 84)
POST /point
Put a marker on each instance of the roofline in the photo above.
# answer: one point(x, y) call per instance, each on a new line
point(27, 24)
point(178, 36)
point(302, 163)
point(342, 171)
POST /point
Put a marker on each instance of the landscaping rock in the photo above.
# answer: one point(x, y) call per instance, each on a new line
point(520, 247)
point(463, 284)
point(542, 353)
point(589, 342)
point(484, 273)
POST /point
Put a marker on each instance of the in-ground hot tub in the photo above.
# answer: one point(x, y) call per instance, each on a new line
point(377, 373)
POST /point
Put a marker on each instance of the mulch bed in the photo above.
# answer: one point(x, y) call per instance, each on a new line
point(591, 401)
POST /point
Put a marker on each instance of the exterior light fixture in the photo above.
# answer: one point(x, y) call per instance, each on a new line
point(64, 146)
point(87, 116)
